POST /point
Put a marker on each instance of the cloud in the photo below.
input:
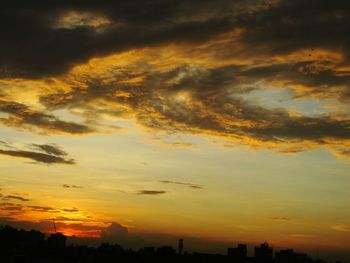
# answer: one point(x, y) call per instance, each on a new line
point(194, 99)
point(11, 207)
point(38, 208)
point(341, 228)
point(67, 226)
point(310, 75)
point(151, 192)
point(51, 154)
point(209, 101)
point(182, 67)
point(71, 219)
point(64, 216)
point(22, 116)
point(177, 143)
point(195, 186)
point(71, 186)
point(53, 47)
point(50, 149)
point(38, 157)
point(70, 210)
point(16, 197)
point(5, 144)
point(115, 232)
point(269, 30)
point(77, 214)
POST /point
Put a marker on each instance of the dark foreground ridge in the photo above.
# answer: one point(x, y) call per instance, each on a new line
point(32, 246)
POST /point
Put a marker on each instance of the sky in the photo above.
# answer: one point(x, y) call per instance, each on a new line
point(219, 121)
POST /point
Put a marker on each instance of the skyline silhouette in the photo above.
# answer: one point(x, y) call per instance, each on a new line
point(34, 246)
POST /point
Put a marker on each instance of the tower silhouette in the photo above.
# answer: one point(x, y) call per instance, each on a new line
point(181, 246)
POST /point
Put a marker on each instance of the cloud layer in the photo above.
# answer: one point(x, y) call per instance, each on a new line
point(181, 67)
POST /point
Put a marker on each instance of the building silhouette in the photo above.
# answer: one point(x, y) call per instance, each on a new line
point(263, 253)
point(147, 251)
point(31, 246)
point(289, 256)
point(238, 253)
point(181, 246)
point(57, 240)
point(166, 251)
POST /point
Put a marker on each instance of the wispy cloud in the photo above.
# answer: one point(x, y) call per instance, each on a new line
point(48, 154)
point(51, 149)
point(195, 186)
point(11, 207)
point(151, 192)
point(70, 210)
point(71, 186)
point(341, 228)
point(39, 208)
point(16, 197)
point(22, 116)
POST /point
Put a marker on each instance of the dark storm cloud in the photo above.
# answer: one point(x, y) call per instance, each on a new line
point(49, 155)
point(34, 45)
point(151, 192)
point(293, 25)
point(195, 186)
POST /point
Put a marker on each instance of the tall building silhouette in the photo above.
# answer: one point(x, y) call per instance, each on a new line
point(181, 246)
point(263, 253)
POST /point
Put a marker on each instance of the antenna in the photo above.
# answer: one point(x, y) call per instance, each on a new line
point(54, 224)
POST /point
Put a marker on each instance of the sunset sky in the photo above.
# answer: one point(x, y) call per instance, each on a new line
point(221, 120)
